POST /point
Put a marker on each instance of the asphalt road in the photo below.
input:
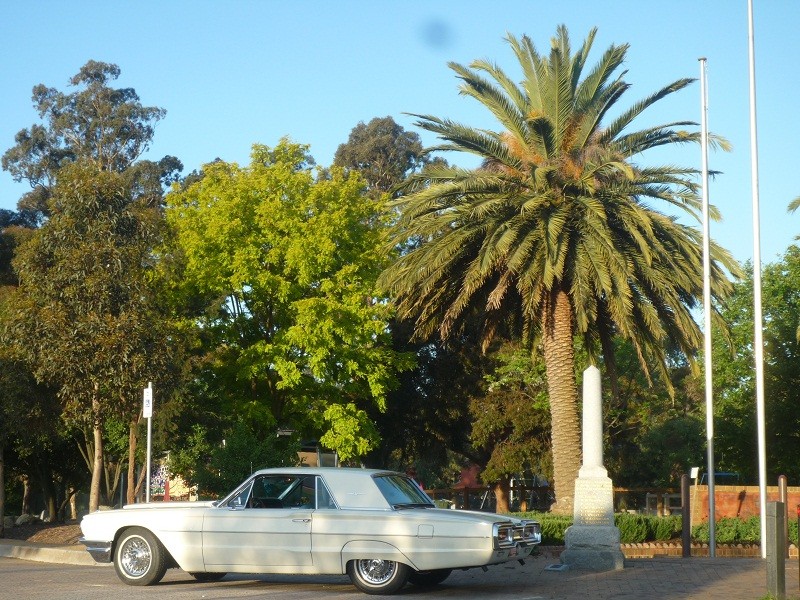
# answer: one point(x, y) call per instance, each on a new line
point(656, 579)
point(35, 580)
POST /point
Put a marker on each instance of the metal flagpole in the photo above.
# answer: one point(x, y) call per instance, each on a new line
point(712, 512)
point(758, 320)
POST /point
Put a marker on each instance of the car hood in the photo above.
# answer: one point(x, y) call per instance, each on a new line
point(446, 514)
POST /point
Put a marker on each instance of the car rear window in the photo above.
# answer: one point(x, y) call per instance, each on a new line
point(401, 491)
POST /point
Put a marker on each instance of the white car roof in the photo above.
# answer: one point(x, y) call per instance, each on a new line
point(351, 488)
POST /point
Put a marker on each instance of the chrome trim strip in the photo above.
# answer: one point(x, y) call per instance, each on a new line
point(100, 551)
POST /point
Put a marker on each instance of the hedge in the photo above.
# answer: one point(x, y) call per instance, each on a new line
point(635, 528)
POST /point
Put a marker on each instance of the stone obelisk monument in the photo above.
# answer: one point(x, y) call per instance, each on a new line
point(592, 542)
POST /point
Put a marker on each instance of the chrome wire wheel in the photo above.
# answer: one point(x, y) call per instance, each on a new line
point(376, 571)
point(139, 558)
point(135, 557)
point(377, 576)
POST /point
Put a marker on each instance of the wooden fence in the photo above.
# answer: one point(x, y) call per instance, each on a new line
point(523, 498)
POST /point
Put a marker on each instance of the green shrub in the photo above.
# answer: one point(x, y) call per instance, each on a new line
point(730, 530)
point(663, 529)
point(750, 531)
point(553, 526)
point(645, 528)
point(700, 533)
point(633, 529)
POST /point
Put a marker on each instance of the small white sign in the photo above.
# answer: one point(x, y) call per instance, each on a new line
point(147, 412)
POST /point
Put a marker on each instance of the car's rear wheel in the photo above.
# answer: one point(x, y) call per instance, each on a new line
point(428, 578)
point(376, 576)
point(203, 576)
point(139, 558)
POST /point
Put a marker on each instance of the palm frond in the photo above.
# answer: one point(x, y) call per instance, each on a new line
point(624, 120)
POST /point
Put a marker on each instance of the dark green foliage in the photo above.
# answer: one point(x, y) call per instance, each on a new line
point(663, 529)
point(730, 530)
point(735, 437)
point(383, 152)
point(633, 529)
point(218, 469)
point(107, 127)
point(553, 526)
point(511, 421)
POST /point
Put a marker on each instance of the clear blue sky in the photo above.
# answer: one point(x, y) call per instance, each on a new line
point(235, 73)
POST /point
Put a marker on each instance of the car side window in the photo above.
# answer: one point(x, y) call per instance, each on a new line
point(284, 491)
point(301, 494)
point(240, 499)
point(269, 490)
point(324, 498)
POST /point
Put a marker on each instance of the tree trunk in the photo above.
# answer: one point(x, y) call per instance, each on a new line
point(559, 357)
point(97, 463)
point(26, 496)
point(73, 503)
point(501, 493)
point(132, 440)
point(49, 493)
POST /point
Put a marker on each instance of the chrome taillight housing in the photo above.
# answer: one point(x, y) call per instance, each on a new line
point(503, 535)
point(507, 535)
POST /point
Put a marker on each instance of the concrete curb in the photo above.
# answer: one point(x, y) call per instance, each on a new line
point(68, 555)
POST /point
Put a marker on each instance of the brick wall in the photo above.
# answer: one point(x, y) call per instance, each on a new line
point(737, 501)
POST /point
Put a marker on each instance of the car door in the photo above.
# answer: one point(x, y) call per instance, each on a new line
point(267, 525)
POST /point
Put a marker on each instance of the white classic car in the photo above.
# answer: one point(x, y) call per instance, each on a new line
point(379, 527)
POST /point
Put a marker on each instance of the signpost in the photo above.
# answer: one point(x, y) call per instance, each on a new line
point(147, 413)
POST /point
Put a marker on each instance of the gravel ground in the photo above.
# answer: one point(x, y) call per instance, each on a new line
point(45, 533)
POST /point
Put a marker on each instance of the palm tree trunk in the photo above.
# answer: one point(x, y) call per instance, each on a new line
point(559, 357)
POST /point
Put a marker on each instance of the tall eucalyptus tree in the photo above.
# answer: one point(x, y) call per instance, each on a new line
point(103, 126)
point(554, 231)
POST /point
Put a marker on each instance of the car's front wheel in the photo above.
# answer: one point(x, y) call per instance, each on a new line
point(139, 558)
point(429, 578)
point(376, 576)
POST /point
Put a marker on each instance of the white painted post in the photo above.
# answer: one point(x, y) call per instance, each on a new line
point(147, 413)
point(592, 424)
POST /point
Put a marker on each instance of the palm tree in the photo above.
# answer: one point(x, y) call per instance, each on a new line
point(553, 232)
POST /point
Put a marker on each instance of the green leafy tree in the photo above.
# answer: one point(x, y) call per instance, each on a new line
point(734, 404)
point(98, 124)
point(103, 128)
point(30, 436)
point(383, 152)
point(653, 437)
point(218, 468)
point(554, 231)
point(83, 316)
point(512, 421)
point(285, 262)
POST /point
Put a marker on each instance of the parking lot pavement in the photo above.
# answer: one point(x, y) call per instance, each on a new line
point(657, 578)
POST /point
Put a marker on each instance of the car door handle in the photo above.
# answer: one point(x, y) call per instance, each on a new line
point(301, 520)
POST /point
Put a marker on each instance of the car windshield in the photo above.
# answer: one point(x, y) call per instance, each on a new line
point(402, 492)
